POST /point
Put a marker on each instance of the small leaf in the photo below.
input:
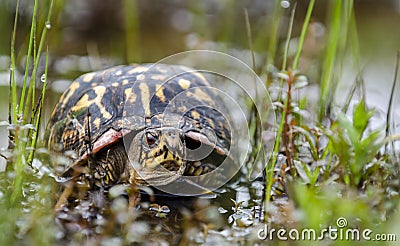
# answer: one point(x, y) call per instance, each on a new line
point(309, 139)
point(283, 75)
point(303, 171)
point(361, 117)
point(301, 82)
point(348, 126)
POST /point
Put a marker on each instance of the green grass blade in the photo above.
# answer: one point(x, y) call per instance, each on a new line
point(390, 105)
point(39, 111)
point(273, 40)
point(286, 51)
point(249, 38)
point(28, 60)
point(350, 95)
point(19, 167)
point(330, 58)
point(13, 84)
point(303, 34)
point(341, 21)
point(287, 43)
point(354, 39)
point(31, 94)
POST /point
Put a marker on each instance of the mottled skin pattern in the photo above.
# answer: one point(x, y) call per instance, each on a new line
point(103, 114)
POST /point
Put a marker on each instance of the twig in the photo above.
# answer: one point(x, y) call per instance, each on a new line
point(89, 148)
point(388, 115)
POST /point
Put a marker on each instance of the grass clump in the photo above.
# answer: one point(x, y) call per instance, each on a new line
point(24, 201)
point(337, 165)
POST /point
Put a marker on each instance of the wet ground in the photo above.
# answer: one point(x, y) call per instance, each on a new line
point(113, 216)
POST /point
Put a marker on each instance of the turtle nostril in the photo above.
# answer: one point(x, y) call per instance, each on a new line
point(191, 143)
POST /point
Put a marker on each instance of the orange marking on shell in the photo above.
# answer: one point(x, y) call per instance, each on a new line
point(88, 77)
point(84, 102)
point(108, 138)
point(145, 95)
point(184, 84)
point(160, 93)
point(195, 115)
point(139, 69)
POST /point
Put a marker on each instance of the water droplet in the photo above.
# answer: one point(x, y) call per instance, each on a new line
point(285, 4)
point(222, 210)
point(154, 207)
point(20, 118)
point(43, 78)
point(48, 25)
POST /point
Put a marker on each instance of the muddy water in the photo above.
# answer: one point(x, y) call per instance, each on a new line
point(161, 218)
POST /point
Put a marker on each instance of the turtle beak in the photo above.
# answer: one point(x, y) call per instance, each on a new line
point(154, 178)
point(158, 171)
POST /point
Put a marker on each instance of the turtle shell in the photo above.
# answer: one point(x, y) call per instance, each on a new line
point(100, 108)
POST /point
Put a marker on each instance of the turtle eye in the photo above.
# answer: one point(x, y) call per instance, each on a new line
point(151, 139)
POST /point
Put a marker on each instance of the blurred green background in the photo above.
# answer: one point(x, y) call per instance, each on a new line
point(93, 34)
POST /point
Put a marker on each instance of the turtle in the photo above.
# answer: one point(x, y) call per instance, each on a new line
point(143, 124)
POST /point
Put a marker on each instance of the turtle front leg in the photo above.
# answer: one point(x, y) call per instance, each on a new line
point(110, 166)
point(198, 168)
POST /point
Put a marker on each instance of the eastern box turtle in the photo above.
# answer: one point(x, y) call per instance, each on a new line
point(149, 124)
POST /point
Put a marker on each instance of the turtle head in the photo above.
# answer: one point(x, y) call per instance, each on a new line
point(156, 155)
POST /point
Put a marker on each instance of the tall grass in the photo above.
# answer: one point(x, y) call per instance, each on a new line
point(346, 155)
point(289, 77)
point(13, 110)
point(389, 115)
point(340, 19)
point(23, 203)
point(345, 159)
point(273, 35)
